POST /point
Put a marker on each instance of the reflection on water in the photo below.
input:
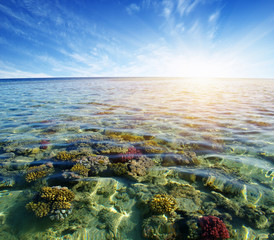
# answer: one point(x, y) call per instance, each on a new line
point(136, 159)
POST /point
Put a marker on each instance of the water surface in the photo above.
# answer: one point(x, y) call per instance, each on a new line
point(206, 143)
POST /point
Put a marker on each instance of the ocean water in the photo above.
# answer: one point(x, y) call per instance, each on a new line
point(136, 158)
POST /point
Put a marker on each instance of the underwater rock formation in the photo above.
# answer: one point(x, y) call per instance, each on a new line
point(213, 228)
point(6, 182)
point(151, 147)
point(158, 227)
point(173, 159)
point(187, 197)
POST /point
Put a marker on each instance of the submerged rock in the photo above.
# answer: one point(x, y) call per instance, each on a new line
point(6, 182)
point(158, 227)
point(174, 159)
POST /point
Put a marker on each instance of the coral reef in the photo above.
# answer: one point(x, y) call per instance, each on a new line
point(36, 172)
point(151, 147)
point(124, 137)
point(96, 163)
point(162, 203)
point(80, 169)
point(109, 148)
point(132, 153)
point(140, 167)
point(65, 156)
point(53, 202)
point(61, 194)
point(119, 169)
point(41, 209)
point(213, 228)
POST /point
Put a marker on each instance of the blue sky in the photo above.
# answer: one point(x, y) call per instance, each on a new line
point(90, 38)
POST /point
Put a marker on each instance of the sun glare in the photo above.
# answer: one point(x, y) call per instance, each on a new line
point(201, 67)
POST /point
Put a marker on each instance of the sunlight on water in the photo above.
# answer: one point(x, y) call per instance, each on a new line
point(136, 158)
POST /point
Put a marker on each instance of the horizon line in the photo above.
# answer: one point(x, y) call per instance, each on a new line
point(151, 77)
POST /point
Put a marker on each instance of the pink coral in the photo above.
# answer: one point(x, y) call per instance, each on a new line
point(213, 228)
point(132, 153)
point(44, 144)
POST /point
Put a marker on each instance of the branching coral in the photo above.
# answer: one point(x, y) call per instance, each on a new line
point(41, 209)
point(53, 201)
point(80, 169)
point(124, 137)
point(57, 194)
point(119, 169)
point(213, 228)
point(65, 156)
point(163, 203)
point(36, 172)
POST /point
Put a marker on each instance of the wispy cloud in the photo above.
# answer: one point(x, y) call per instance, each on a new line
point(213, 23)
point(184, 7)
point(7, 71)
point(132, 8)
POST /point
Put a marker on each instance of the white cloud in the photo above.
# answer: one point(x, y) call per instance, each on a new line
point(214, 17)
point(213, 23)
point(167, 8)
point(132, 8)
point(10, 72)
point(184, 7)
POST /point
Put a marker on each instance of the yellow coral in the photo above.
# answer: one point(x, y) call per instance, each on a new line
point(132, 138)
point(65, 156)
point(125, 137)
point(163, 203)
point(57, 194)
point(36, 172)
point(80, 169)
point(61, 205)
point(50, 199)
point(40, 209)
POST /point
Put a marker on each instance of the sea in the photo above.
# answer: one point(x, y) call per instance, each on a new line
point(136, 158)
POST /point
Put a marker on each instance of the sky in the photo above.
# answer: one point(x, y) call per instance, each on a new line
point(145, 38)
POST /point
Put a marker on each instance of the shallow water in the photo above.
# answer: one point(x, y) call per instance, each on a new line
point(207, 143)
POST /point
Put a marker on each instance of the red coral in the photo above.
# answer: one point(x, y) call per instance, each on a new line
point(44, 144)
point(132, 153)
point(213, 228)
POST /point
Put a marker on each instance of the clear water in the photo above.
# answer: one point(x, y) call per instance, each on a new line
point(225, 124)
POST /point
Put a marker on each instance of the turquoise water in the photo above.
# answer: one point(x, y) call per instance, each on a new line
point(206, 144)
